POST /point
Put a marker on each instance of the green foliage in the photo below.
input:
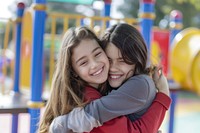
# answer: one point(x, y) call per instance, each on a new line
point(195, 3)
point(60, 8)
point(189, 8)
point(130, 8)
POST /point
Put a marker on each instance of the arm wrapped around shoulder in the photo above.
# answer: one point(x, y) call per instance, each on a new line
point(76, 121)
point(60, 125)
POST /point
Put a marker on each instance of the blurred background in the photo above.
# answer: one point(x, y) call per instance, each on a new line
point(184, 56)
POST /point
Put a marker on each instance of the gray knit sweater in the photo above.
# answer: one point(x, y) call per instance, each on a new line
point(134, 96)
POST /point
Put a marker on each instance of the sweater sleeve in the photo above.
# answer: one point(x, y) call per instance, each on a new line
point(64, 123)
point(150, 122)
point(133, 96)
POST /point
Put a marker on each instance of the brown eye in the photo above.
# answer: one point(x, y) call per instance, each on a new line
point(98, 54)
point(122, 61)
point(83, 63)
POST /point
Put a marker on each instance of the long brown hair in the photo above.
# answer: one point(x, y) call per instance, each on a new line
point(66, 89)
point(131, 45)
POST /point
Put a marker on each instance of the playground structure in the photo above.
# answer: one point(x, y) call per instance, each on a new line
point(29, 51)
point(185, 51)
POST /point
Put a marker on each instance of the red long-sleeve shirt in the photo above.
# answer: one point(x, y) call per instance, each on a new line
point(148, 123)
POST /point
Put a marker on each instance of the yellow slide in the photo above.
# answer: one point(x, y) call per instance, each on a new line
point(185, 59)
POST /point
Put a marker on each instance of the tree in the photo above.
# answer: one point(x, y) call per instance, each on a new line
point(189, 8)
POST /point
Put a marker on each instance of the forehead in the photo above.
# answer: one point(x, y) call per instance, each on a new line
point(84, 48)
point(112, 51)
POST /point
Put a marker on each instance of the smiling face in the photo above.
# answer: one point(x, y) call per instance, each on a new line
point(90, 62)
point(119, 70)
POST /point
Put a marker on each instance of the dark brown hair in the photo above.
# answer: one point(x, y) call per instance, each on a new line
point(131, 45)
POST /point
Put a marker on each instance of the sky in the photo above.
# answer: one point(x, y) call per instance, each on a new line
point(6, 4)
point(114, 12)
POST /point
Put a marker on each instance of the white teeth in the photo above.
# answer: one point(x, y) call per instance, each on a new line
point(115, 77)
point(96, 73)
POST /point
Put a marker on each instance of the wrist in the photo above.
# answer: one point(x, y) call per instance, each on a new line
point(166, 92)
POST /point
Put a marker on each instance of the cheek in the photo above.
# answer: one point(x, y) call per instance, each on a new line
point(106, 61)
point(130, 71)
point(80, 71)
point(129, 74)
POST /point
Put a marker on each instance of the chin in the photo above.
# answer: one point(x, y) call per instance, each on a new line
point(102, 81)
point(114, 85)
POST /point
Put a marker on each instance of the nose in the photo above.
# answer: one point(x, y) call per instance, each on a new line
point(113, 67)
point(94, 64)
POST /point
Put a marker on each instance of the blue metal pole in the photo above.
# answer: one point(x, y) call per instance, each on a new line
point(20, 11)
point(176, 24)
point(37, 63)
point(14, 123)
point(175, 28)
point(147, 15)
point(106, 11)
point(82, 22)
point(173, 96)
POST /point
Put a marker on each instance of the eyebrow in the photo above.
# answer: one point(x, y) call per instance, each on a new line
point(84, 56)
point(120, 58)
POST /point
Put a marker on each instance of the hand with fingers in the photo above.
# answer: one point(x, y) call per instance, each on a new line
point(160, 81)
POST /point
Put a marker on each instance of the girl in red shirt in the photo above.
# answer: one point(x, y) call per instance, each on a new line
point(79, 68)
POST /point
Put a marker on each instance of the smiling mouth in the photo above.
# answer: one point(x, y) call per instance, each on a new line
point(98, 72)
point(115, 76)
